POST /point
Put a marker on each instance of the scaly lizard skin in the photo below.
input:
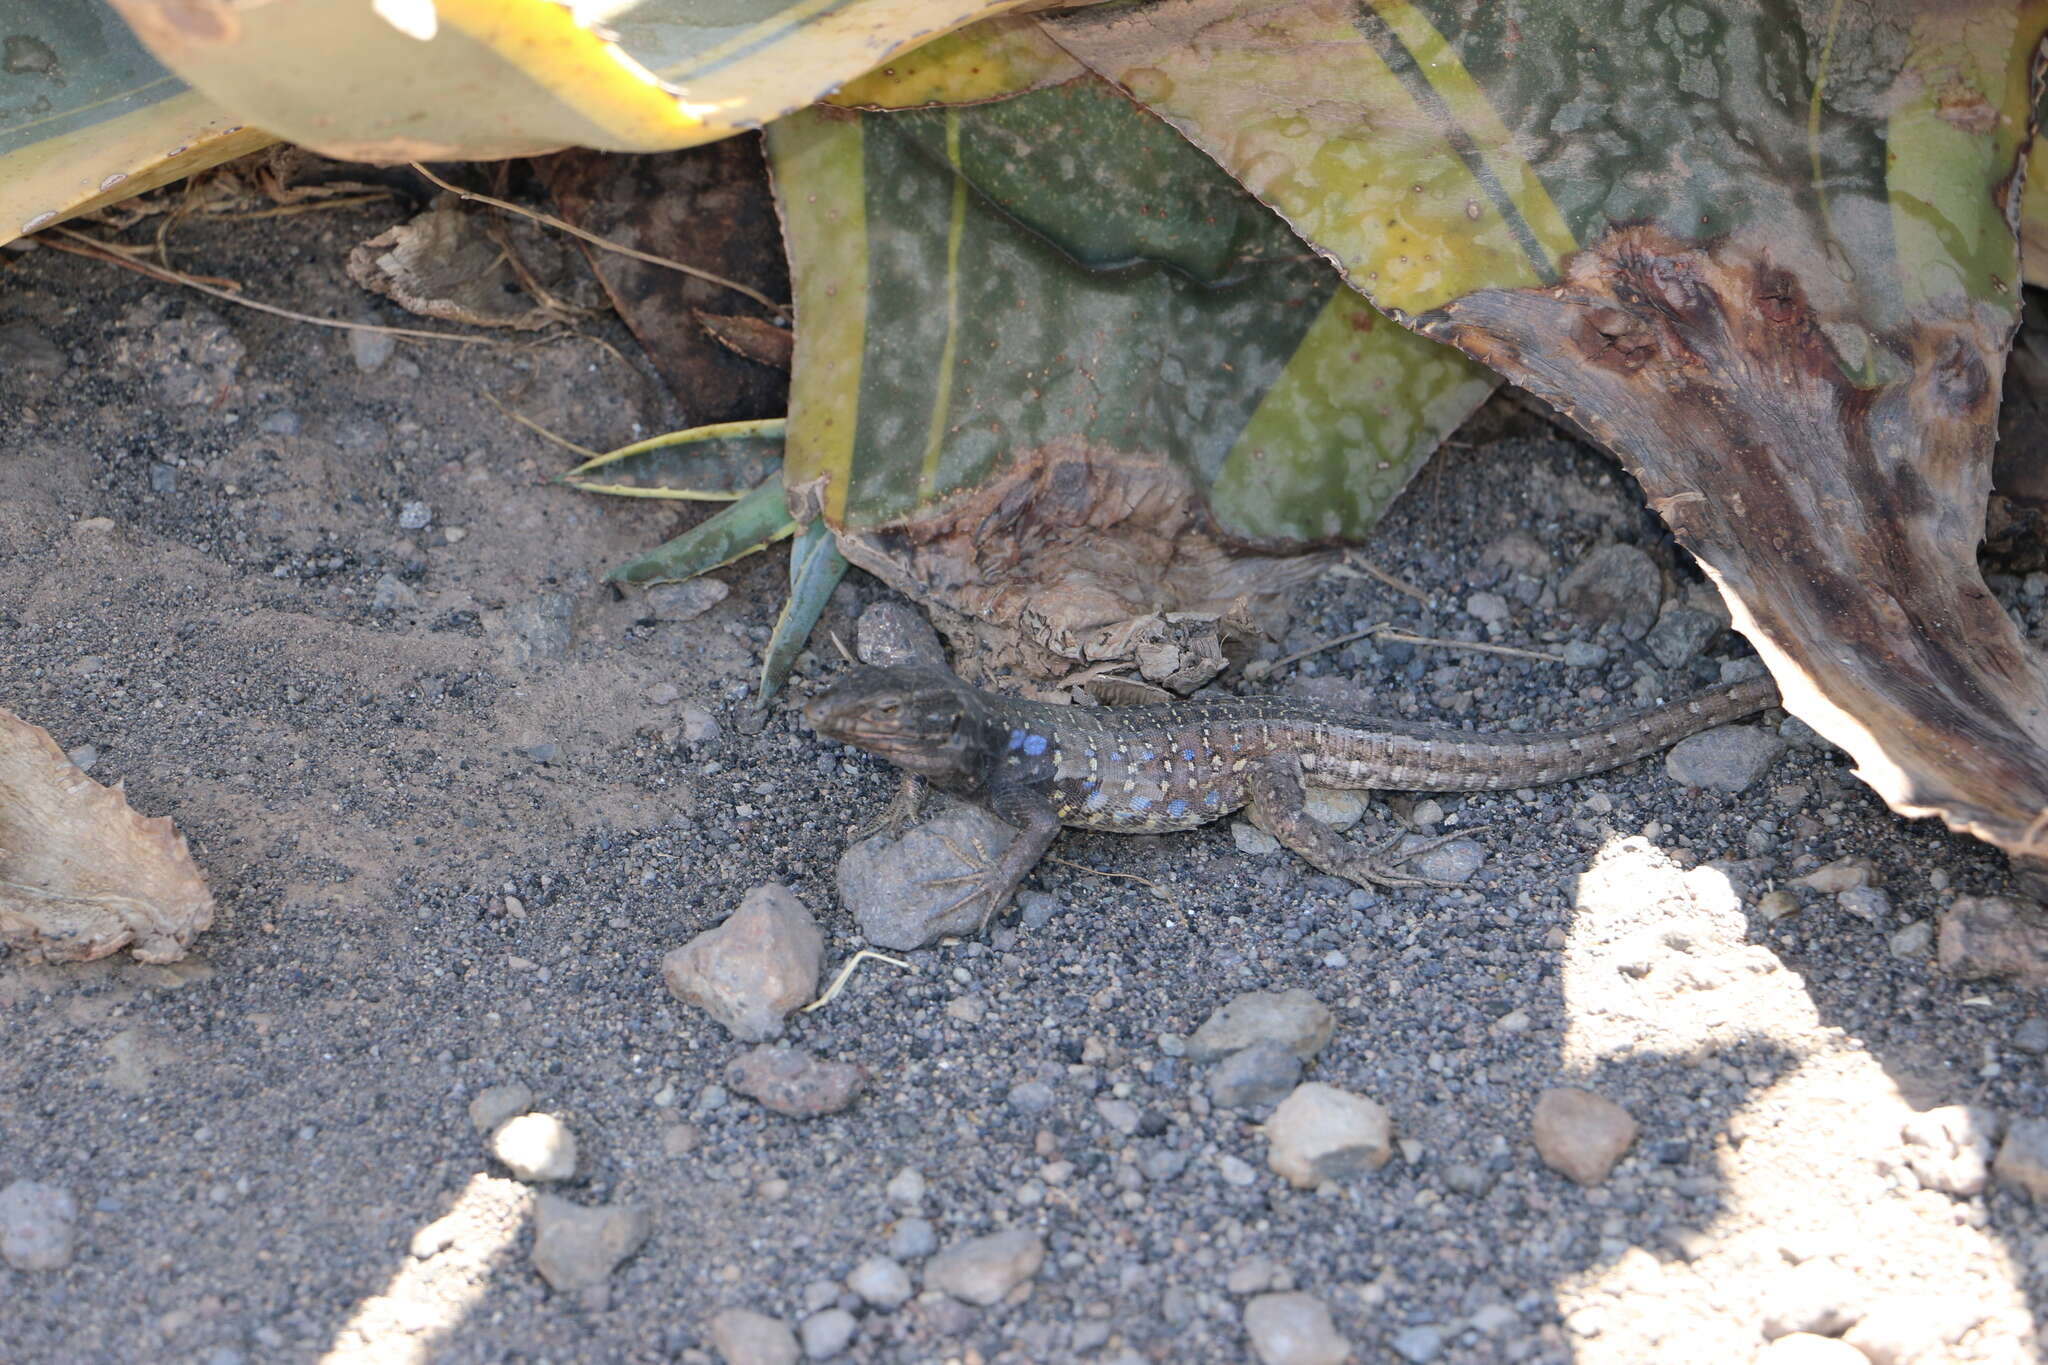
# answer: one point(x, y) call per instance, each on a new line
point(1152, 769)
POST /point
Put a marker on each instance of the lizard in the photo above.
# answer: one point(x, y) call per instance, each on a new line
point(1040, 766)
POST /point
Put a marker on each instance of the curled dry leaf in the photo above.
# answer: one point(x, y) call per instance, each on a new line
point(757, 339)
point(81, 874)
point(445, 264)
point(1079, 554)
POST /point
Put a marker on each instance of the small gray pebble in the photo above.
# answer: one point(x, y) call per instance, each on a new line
point(982, 1270)
point(1453, 862)
point(1031, 1097)
point(1036, 909)
point(906, 1189)
point(283, 422)
point(913, 1240)
point(881, 1282)
point(163, 479)
point(83, 757)
point(684, 601)
point(415, 516)
point(1161, 1164)
point(1584, 654)
point(496, 1104)
point(1617, 583)
point(392, 594)
point(1250, 839)
point(370, 349)
point(1866, 903)
point(828, 1333)
point(1294, 1329)
point(743, 1337)
point(1679, 636)
point(2032, 1036)
point(38, 1225)
point(1420, 1344)
point(901, 891)
point(1489, 607)
point(1292, 1018)
point(1467, 1179)
point(1728, 758)
point(1121, 1115)
point(1915, 940)
point(1255, 1078)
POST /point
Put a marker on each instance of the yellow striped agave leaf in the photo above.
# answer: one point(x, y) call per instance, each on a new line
point(88, 116)
point(444, 79)
point(1053, 369)
point(1765, 250)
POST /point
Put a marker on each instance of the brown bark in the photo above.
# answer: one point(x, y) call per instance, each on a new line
point(1841, 520)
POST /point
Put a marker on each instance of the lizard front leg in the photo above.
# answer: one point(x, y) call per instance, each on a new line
point(902, 812)
point(1278, 806)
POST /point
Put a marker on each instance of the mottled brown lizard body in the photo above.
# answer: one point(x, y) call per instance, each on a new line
point(1155, 769)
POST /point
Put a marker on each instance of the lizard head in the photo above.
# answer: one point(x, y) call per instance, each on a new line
point(919, 719)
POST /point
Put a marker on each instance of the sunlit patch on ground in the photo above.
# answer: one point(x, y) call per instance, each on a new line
point(1816, 1204)
point(448, 1268)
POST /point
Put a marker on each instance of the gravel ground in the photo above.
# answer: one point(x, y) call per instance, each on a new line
point(457, 801)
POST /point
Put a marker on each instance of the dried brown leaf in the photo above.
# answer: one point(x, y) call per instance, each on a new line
point(82, 874)
point(757, 339)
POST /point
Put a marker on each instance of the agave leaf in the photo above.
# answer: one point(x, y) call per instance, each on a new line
point(495, 78)
point(1763, 250)
point(1054, 371)
point(815, 568)
point(716, 463)
point(88, 116)
point(996, 58)
point(753, 523)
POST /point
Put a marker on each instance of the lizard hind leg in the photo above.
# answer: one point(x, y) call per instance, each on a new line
point(991, 883)
point(1278, 806)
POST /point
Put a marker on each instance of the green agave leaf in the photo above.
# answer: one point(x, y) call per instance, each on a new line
point(497, 78)
point(1056, 287)
point(815, 568)
point(88, 116)
point(1436, 148)
point(716, 463)
point(998, 57)
point(753, 523)
point(1764, 249)
point(2034, 207)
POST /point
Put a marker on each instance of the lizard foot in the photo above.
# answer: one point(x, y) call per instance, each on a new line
point(903, 808)
point(1377, 868)
point(983, 881)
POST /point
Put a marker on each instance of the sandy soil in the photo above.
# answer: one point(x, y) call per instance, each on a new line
point(197, 506)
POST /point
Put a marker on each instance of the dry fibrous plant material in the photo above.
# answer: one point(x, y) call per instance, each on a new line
point(82, 874)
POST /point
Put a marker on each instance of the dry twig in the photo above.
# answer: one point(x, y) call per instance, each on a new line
point(94, 249)
point(1512, 651)
point(846, 972)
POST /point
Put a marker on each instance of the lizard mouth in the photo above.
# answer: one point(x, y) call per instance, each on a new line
point(864, 736)
point(849, 729)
